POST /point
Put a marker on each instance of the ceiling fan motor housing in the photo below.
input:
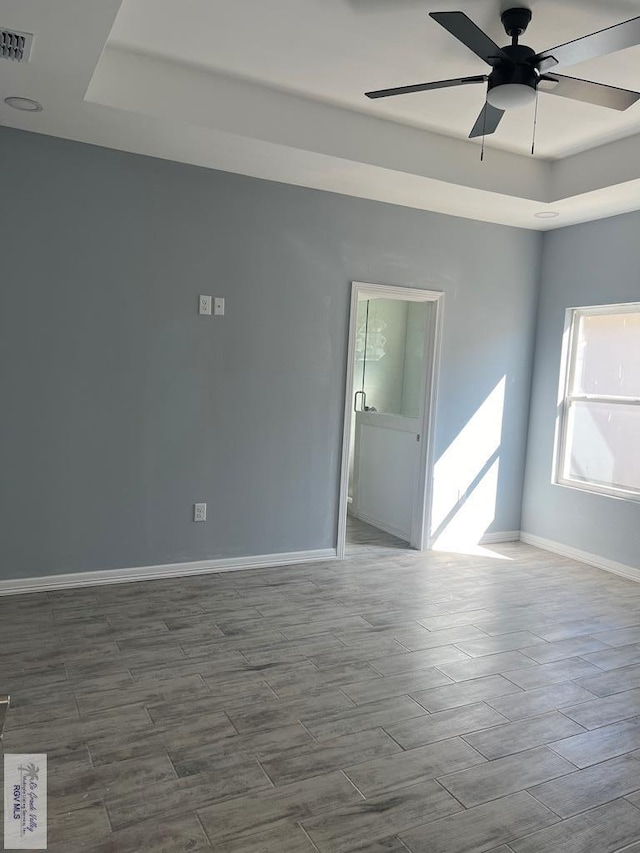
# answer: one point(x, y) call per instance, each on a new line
point(519, 71)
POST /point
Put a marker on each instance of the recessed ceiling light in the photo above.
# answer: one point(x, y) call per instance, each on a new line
point(547, 214)
point(24, 104)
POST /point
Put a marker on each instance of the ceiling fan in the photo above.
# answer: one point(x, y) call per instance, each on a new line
point(518, 72)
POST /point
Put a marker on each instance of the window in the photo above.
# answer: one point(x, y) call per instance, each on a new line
point(599, 435)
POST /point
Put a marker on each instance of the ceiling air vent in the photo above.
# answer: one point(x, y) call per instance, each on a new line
point(15, 45)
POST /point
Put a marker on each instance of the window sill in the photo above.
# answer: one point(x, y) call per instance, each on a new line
point(595, 489)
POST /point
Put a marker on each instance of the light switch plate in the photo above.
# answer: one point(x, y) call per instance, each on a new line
point(218, 306)
point(199, 512)
point(204, 305)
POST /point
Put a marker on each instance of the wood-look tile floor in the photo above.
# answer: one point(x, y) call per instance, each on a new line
point(363, 537)
point(438, 703)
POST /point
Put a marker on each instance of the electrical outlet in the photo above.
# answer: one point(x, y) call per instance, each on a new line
point(204, 305)
point(218, 306)
point(199, 512)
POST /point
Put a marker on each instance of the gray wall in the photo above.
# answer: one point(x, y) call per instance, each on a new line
point(121, 406)
point(592, 264)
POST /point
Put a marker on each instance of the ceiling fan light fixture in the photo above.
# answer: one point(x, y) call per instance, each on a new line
point(510, 95)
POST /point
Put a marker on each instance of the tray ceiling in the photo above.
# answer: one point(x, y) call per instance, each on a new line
point(275, 90)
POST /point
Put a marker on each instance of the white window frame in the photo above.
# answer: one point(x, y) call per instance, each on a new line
point(565, 399)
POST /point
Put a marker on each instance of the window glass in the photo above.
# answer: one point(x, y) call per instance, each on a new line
point(608, 355)
point(604, 444)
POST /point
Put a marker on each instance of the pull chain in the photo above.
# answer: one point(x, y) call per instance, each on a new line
point(535, 124)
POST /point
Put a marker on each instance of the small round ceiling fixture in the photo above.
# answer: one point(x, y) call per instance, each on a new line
point(546, 214)
point(26, 105)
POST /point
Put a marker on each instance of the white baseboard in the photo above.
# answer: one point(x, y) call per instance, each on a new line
point(18, 586)
point(501, 536)
point(631, 572)
point(488, 538)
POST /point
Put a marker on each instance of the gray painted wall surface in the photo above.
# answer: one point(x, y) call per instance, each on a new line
point(593, 264)
point(121, 406)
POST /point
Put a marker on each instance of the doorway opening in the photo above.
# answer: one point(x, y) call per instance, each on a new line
point(389, 417)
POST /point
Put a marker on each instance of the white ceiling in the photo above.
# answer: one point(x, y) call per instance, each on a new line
point(275, 90)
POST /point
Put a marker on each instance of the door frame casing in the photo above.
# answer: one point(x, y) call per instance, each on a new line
point(421, 522)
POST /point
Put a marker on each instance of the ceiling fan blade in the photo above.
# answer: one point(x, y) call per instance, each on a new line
point(590, 93)
point(424, 87)
point(487, 122)
point(609, 40)
point(462, 27)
